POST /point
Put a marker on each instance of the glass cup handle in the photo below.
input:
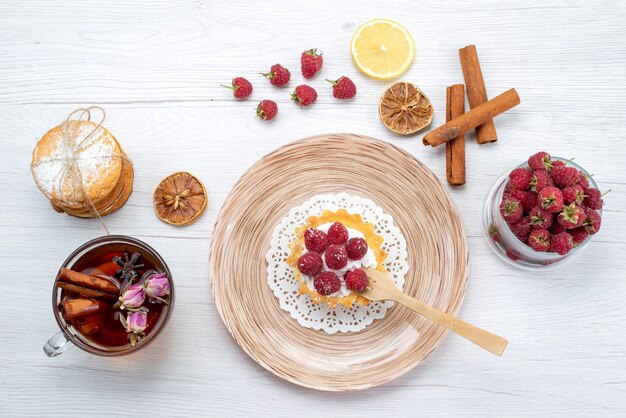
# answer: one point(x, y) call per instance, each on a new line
point(56, 345)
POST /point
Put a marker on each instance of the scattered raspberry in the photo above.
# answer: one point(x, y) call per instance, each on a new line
point(556, 228)
point(326, 283)
point(337, 234)
point(315, 240)
point(540, 180)
point(540, 218)
point(520, 178)
point(540, 161)
point(304, 95)
point(564, 176)
point(356, 280)
point(561, 243)
point(526, 198)
point(521, 229)
point(511, 209)
point(311, 62)
point(343, 88)
point(593, 199)
point(579, 235)
point(310, 264)
point(356, 248)
point(336, 257)
point(539, 240)
point(278, 75)
point(551, 199)
point(267, 109)
point(573, 194)
point(583, 181)
point(241, 87)
point(593, 221)
point(572, 216)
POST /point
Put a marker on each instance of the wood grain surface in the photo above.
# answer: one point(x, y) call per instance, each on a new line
point(156, 66)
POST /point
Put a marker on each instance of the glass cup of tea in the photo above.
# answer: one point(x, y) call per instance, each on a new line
point(112, 296)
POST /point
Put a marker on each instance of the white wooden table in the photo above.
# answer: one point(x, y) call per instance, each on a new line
point(156, 66)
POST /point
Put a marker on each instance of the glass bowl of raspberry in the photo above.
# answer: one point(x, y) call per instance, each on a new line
point(542, 213)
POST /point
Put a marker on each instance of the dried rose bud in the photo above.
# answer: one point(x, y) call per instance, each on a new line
point(133, 297)
point(136, 322)
point(157, 285)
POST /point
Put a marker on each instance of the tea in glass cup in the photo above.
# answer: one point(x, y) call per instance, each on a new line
point(112, 296)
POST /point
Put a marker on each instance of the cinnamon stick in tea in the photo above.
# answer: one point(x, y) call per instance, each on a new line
point(79, 307)
point(90, 282)
point(480, 114)
point(455, 149)
point(476, 91)
point(83, 291)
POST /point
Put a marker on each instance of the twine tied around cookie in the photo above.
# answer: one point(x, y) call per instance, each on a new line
point(72, 147)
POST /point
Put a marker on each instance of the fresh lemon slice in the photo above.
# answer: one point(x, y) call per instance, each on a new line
point(382, 49)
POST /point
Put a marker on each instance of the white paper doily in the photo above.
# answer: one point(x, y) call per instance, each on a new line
point(281, 276)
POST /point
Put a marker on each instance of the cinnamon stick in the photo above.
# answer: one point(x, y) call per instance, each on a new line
point(476, 91)
point(79, 307)
point(90, 282)
point(480, 114)
point(90, 293)
point(455, 149)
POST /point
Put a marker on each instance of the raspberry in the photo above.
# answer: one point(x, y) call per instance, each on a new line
point(337, 234)
point(508, 189)
point(315, 240)
point(579, 235)
point(564, 176)
point(343, 88)
point(561, 243)
point(557, 163)
point(267, 109)
point(310, 264)
point(540, 180)
point(527, 199)
point(593, 199)
point(593, 221)
point(511, 209)
point(356, 248)
point(572, 216)
point(311, 62)
point(241, 87)
point(326, 283)
point(573, 194)
point(540, 218)
point(494, 234)
point(336, 257)
point(278, 75)
point(512, 254)
point(556, 228)
point(583, 181)
point(551, 199)
point(356, 280)
point(521, 229)
point(520, 177)
point(539, 240)
point(304, 95)
point(540, 161)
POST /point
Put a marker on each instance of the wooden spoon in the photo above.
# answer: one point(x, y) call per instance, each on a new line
point(381, 287)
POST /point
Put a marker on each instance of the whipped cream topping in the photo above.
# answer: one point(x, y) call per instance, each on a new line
point(368, 260)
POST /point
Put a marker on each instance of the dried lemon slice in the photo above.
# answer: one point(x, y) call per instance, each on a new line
point(405, 109)
point(382, 49)
point(180, 199)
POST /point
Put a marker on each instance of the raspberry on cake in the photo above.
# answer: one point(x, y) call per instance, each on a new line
point(329, 254)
